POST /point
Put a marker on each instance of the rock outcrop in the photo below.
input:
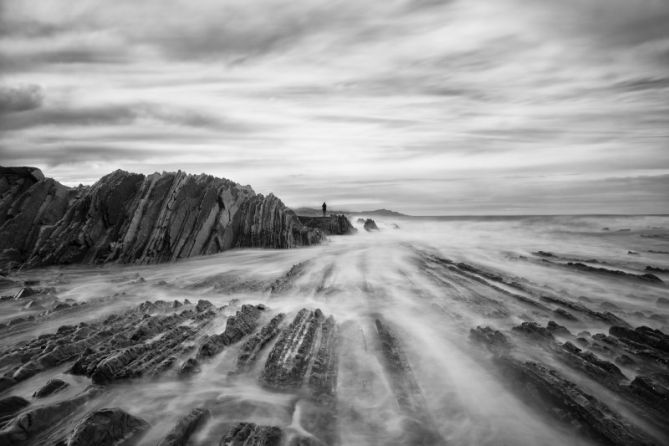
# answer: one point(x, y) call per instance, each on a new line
point(51, 387)
point(107, 427)
point(370, 225)
point(185, 427)
point(132, 218)
point(332, 225)
point(251, 434)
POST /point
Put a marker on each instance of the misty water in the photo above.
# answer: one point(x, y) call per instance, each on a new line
point(407, 275)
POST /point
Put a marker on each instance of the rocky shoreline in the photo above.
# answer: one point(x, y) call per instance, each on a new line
point(132, 218)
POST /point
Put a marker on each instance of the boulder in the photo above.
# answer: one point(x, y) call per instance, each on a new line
point(370, 225)
point(107, 427)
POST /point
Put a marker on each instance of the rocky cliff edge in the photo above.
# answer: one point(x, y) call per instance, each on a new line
point(133, 218)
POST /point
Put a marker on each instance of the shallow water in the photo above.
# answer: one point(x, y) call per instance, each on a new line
point(407, 277)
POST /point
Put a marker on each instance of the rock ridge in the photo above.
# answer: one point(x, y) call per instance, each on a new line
point(132, 218)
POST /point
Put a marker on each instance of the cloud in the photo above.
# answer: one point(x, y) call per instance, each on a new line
point(114, 115)
point(19, 99)
point(423, 105)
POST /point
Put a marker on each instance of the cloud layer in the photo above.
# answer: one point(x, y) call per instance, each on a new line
point(429, 107)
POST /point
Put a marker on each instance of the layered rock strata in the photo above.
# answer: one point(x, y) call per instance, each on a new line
point(132, 218)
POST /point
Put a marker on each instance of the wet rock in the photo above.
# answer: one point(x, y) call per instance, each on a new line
point(625, 360)
point(190, 367)
point(644, 336)
point(547, 390)
point(564, 314)
point(251, 434)
point(534, 331)
point(34, 421)
point(24, 293)
point(419, 427)
point(52, 386)
point(11, 405)
point(284, 282)
point(109, 368)
point(370, 225)
point(107, 427)
point(323, 374)
point(332, 225)
point(6, 382)
point(493, 339)
point(243, 323)
point(655, 269)
point(653, 389)
point(203, 305)
point(613, 272)
point(557, 329)
point(598, 369)
point(288, 361)
point(248, 353)
point(607, 317)
point(185, 427)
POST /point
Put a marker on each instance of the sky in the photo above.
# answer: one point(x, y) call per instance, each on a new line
point(426, 107)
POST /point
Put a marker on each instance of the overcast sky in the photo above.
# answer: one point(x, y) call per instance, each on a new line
point(426, 107)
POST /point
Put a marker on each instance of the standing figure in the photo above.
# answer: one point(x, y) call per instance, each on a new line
point(325, 208)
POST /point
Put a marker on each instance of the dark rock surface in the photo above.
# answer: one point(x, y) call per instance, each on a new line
point(305, 356)
point(243, 323)
point(10, 405)
point(547, 389)
point(493, 339)
point(31, 423)
point(132, 218)
point(615, 273)
point(420, 429)
point(332, 225)
point(370, 225)
point(289, 359)
point(185, 427)
point(107, 427)
point(251, 434)
point(51, 387)
point(249, 351)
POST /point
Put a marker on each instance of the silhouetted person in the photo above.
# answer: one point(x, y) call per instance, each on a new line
point(325, 208)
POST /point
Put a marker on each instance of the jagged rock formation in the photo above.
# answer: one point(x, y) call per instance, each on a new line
point(370, 225)
point(29, 203)
point(132, 218)
point(251, 434)
point(238, 326)
point(577, 408)
point(306, 354)
point(549, 390)
point(332, 225)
